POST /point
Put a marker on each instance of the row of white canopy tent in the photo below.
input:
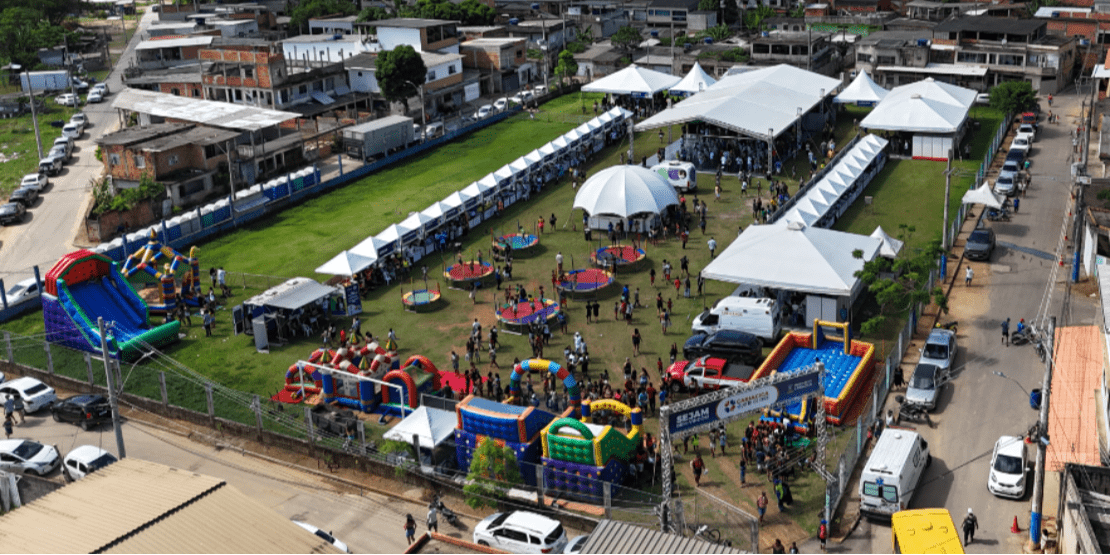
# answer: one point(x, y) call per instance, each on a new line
point(414, 229)
point(641, 82)
point(812, 207)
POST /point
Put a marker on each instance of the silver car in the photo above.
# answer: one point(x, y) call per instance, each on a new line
point(924, 385)
point(940, 349)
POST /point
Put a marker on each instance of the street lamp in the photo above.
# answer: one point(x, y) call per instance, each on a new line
point(423, 114)
point(1001, 375)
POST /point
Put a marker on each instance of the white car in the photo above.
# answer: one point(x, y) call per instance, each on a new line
point(67, 100)
point(72, 131)
point(1022, 143)
point(326, 536)
point(484, 112)
point(24, 291)
point(1028, 129)
point(501, 104)
point(1005, 185)
point(102, 88)
point(1007, 475)
point(81, 119)
point(35, 181)
point(521, 532)
point(94, 97)
point(539, 90)
point(983, 99)
point(575, 544)
point(35, 394)
point(30, 457)
point(84, 460)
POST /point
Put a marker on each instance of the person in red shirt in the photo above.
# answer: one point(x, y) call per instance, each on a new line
point(699, 466)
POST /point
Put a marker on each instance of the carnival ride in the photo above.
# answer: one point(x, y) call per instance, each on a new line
point(586, 281)
point(617, 256)
point(517, 316)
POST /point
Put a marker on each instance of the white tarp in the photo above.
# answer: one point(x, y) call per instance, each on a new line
point(983, 195)
point(432, 426)
point(392, 234)
point(456, 199)
point(890, 246)
point(926, 106)
point(368, 247)
point(625, 190)
point(862, 91)
point(794, 257)
point(634, 80)
point(346, 263)
point(694, 82)
point(752, 103)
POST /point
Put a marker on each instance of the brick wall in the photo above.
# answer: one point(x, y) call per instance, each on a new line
point(188, 157)
point(445, 82)
point(126, 168)
point(191, 90)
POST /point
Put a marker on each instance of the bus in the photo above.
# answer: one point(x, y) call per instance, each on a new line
point(925, 531)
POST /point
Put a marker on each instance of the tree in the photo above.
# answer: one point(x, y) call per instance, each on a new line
point(900, 284)
point(626, 38)
point(373, 13)
point(718, 33)
point(731, 14)
point(24, 30)
point(493, 470)
point(566, 67)
point(469, 12)
point(1013, 96)
point(798, 12)
point(308, 9)
point(395, 69)
point(753, 19)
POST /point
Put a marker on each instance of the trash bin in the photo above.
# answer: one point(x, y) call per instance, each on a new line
point(1035, 399)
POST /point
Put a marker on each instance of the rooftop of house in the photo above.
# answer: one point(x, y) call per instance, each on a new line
point(496, 42)
point(129, 136)
point(411, 22)
point(681, 4)
point(1002, 25)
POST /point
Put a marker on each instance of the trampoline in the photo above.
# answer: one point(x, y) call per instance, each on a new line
point(518, 241)
point(587, 280)
point(468, 271)
point(617, 255)
point(420, 299)
point(519, 315)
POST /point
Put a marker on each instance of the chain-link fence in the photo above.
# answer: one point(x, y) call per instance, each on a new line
point(712, 519)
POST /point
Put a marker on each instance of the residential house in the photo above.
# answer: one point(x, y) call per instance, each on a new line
point(598, 18)
point(892, 48)
point(498, 60)
point(664, 13)
point(309, 49)
point(172, 28)
point(447, 87)
point(171, 51)
point(549, 36)
point(1009, 49)
point(332, 25)
point(234, 27)
point(424, 35)
point(598, 61)
point(183, 157)
point(810, 51)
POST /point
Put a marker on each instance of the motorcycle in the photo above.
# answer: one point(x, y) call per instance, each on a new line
point(953, 326)
point(996, 215)
point(448, 514)
point(911, 411)
point(1025, 335)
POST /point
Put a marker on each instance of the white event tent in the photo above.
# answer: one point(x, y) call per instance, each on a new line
point(794, 257)
point(824, 202)
point(346, 263)
point(431, 426)
point(982, 195)
point(694, 82)
point(933, 111)
point(624, 192)
point(862, 92)
point(891, 246)
point(633, 80)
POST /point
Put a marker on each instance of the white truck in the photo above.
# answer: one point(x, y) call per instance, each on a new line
point(374, 138)
point(759, 316)
point(44, 81)
point(893, 472)
point(681, 175)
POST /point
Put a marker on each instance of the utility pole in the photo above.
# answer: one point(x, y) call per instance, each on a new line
point(1042, 439)
point(631, 141)
point(947, 190)
point(112, 400)
point(34, 113)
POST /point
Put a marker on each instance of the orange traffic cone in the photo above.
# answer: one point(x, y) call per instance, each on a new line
point(1014, 528)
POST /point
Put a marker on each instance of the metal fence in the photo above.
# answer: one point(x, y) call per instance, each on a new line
point(1000, 134)
point(710, 518)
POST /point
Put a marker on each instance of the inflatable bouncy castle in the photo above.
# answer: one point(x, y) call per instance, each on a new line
point(580, 455)
point(516, 427)
point(149, 257)
point(416, 376)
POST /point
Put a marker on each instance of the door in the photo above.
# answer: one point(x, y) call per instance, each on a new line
point(695, 377)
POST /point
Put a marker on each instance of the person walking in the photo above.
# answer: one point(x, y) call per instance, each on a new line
point(209, 320)
point(968, 274)
point(743, 472)
point(823, 533)
point(971, 523)
point(698, 465)
point(712, 247)
point(18, 409)
point(410, 528)
point(779, 494)
point(559, 261)
point(778, 547)
point(9, 407)
point(761, 505)
point(1006, 331)
point(636, 342)
point(433, 518)
point(8, 427)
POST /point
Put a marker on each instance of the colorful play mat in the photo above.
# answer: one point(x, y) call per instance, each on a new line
point(617, 255)
point(518, 241)
point(421, 299)
point(468, 271)
point(587, 280)
point(522, 314)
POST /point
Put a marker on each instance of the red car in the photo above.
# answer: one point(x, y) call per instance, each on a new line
point(708, 373)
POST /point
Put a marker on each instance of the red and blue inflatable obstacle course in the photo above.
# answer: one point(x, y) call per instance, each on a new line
point(515, 427)
point(84, 286)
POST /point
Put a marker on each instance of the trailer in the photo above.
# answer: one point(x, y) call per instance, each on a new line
point(381, 136)
point(44, 81)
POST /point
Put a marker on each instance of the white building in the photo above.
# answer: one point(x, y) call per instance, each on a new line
point(325, 48)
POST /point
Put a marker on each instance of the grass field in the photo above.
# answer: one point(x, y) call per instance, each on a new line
point(18, 152)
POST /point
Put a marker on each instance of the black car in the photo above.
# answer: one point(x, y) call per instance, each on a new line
point(726, 344)
point(12, 213)
point(980, 244)
point(25, 196)
point(1015, 155)
point(88, 411)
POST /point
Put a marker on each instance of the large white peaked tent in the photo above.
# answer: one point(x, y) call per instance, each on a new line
point(634, 80)
point(795, 257)
point(694, 82)
point(934, 112)
point(982, 195)
point(862, 92)
point(625, 191)
point(346, 263)
point(432, 426)
point(890, 246)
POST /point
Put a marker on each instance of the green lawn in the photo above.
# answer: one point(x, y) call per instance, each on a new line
point(19, 152)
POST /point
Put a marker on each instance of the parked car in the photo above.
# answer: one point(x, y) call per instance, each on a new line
point(80, 118)
point(983, 99)
point(709, 373)
point(924, 385)
point(59, 152)
point(84, 460)
point(575, 544)
point(87, 411)
point(501, 104)
point(727, 344)
point(484, 112)
point(1017, 156)
point(30, 457)
point(102, 88)
point(539, 90)
point(51, 164)
point(12, 213)
point(79, 85)
point(1023, 143)
point(1007, 474)
point(980, 244)
point(67, 145)
point(67, 100)
point(1028, 129)
point(940, 349)
point(326, 536)
point(35, 394)
point(23, 291)
point(72, 131)
point(35, 181)
point(94, 97)
point(25, 196)
point(521, 532)
point(1005, 184)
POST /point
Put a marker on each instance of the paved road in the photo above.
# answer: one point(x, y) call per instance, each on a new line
point(977, 407)
point(52, 226)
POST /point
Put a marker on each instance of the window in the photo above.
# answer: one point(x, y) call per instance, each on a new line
point(196, 93)
point(210, 151)
point(864, 58)
point(140, 162)
point(248, 72)
point(886, 60)
point(113, 159)
point(303, 89)
point(451, 69)
point(172, 160)
point(431, 77)
point(175, 92)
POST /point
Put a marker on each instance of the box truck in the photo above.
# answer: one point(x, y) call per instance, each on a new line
point(681, 175)
point(893, 472)
point(758, 316)
point(378, 137)
point(44, 81)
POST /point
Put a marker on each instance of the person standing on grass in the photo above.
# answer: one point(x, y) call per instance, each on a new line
point(698, 465)
point(743, 472)
point(761, 505)
point(712, 247)
point(636, 342)
point(209, 320)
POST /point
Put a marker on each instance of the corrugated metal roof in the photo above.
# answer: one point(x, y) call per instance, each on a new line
point(621, 537)
point(152, 508)
point(155, 44)
point(208, 112)
point(1076, 380)
point(301, 295)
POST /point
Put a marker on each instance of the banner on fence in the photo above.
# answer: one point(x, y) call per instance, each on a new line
point(784, 392)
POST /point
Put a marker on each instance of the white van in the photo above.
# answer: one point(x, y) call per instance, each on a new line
point(892, 473)
point(758, 316)
point(681, 175)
